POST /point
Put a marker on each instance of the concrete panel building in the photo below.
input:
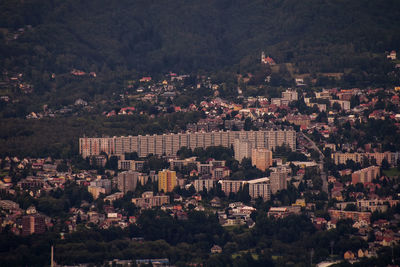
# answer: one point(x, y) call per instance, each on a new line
point(278, 179)
point(169, 144)
point(261, 158)
point(200, 184)
point(127, 181)
point(33, 224)
point(242, 149)
point(166, 180)
point(365, 175)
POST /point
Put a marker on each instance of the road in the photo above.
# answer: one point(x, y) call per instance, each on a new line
point(320, 163)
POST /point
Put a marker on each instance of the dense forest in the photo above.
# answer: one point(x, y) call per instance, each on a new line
point(142, 37)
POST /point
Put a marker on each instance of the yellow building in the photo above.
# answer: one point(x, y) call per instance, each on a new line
point(300, 202)
point(166, 180)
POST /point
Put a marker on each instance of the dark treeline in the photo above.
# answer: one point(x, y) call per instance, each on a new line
point(120, 38)
point(59, 137)
point(270, 243)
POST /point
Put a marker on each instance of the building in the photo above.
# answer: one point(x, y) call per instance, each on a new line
point(200, 184)
point(372, 205)
point(207, 168)
point(262, 190)
point(127, 181)
point(178, 164)
point(261, 158)
point(94, 146)
point(344, 104)
point(111, 198)
point(33, 224)
point(282, 212)
point(267, 60)
point(100, 186)
point(99, 160)
point(134, 165)
point(166, 180)
point(234, 124)
point(300, 120)
point(365, 175)
point(8, 205)
point(278, 179)
point(230, 186)
point(148, 200)
point(220, 172)
point(392, 55)
point(95, 191)
point(104, 183)
point(375, 158)
point(290, 95)
point(391, 157)
point(356, 216)
point(325, 94)
point(169, 144)
point(242, 149)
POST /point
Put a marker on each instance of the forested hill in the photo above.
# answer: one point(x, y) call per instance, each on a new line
point(155, 36)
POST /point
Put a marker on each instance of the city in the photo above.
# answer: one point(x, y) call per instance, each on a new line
point(199, 134)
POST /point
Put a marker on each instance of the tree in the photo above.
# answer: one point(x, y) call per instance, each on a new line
point(248, 124)
point(385, 164)
point(112, 163)
point(336, 106)
point(62, 167)
point(350, 207)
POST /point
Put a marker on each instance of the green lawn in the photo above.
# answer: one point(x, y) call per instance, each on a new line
point(393, 172)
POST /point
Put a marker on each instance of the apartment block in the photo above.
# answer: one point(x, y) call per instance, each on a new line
point(103, 183)
point(200, 184)
point(166, 180)
point(242, 149)
point(178, 164)
point(261, 158)
point(344, 104)
point(134, 165)
point(278, 179)
point(300, 120)
point(391, 157)
point(230, 186)
point(127, 181)
point(207, 168)
point(33, 224)
point(290, 95)
point(282, 212)
point(99, 160)
point(169, 144)
point(95, 191)
point(365, 175)
point(218, 173)
point(262, 190)
point(148, 200)
point(356, 216)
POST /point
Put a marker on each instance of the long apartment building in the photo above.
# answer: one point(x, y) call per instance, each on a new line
point(365, 175)
point(257, 187)
point(169, 144)
point(341, 158)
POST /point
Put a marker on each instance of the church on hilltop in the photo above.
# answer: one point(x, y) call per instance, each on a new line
point(267, 60)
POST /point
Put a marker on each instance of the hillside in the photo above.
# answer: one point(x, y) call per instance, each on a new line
point(190, 35)
point(121, 40)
